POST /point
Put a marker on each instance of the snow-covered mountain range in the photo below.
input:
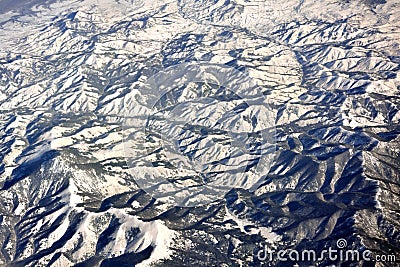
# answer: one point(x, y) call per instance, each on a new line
point(81, 136)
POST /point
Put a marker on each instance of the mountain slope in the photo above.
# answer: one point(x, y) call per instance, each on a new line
point(72, 77)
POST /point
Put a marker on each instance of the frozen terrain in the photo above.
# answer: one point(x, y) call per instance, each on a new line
point(76, 139)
